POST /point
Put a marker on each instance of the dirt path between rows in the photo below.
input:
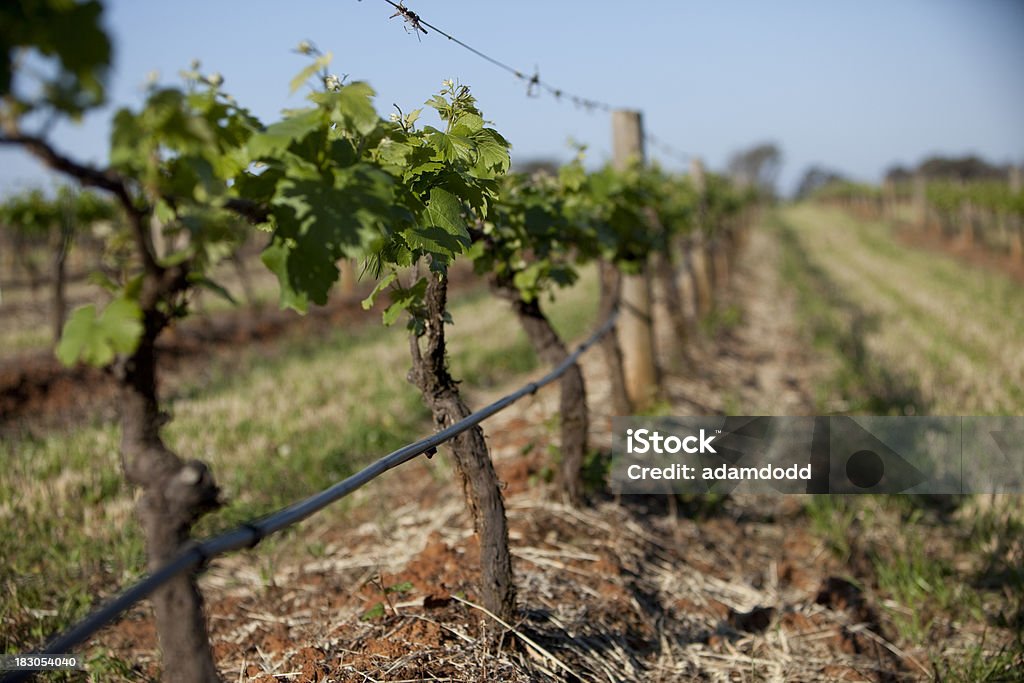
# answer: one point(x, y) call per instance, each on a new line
point(758, 361)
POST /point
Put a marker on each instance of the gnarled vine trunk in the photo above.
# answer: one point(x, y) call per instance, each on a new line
point(702, 275)
point(244, 279)
point(720, 258)
point(175, 494)
point(479, 482)
point(550, 348)
point(60, 258)
point(670, 304)
point(611, 296)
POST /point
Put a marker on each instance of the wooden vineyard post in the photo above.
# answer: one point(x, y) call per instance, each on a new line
point(610, 300)
point(349, 282)
point(700, 256)
point(634, 329)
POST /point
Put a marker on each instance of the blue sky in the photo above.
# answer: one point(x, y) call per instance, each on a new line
point(854, 85)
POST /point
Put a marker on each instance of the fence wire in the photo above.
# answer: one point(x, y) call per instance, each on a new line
point(249, 534)
point(534, 83)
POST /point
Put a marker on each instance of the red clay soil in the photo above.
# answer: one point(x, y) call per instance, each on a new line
point(36, 390)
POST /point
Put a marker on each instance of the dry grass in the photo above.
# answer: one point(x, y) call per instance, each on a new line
point(952, 332)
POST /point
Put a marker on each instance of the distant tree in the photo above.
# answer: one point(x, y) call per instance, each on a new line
point(966, 168)
point(898, 174)
point(815, 178)
point(757, 167)
point(531, 166)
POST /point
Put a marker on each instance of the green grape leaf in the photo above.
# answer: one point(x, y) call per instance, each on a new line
point(275, 258)
point(126, 140)
point(353, 108)
point(321, 62)
point(526, 280)
point(278, 136)
point(395, 153)
point(260, 187)
point(467, 123)
point(381, 286)
point(215, 287)
point(444, 232)
point(133, 287)
point(96, 340)
point(434, 240)
point(572, 176)
point(445, 211)
point(563, 275)
point(319, 221)
point(426, 167)
point(452, 147)
point(437, 102)
point(492, 153)
point(404, 298)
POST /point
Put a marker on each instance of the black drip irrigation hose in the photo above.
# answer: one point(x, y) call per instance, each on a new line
point(249, 534)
